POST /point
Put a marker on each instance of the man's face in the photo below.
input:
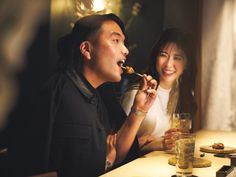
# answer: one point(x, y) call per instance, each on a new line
point(171, 62)
point(107, 51)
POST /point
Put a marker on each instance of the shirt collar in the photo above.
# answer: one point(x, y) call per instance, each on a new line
point(82, 84)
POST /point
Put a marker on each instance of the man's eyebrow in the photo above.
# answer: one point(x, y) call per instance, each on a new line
point(114, 33)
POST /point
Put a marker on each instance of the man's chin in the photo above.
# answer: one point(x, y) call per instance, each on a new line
point(116, 79)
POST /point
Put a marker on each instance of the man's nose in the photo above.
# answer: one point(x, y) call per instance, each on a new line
point(125, 51)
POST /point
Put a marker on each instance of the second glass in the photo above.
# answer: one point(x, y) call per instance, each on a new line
point(182, 121)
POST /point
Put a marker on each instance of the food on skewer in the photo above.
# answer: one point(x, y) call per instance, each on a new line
point(128, 69)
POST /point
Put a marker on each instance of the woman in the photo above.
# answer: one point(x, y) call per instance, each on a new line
point(171, 63)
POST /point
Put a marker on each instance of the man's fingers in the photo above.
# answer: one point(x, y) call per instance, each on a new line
point(114, 139)
point(148, 85)
point(152, 84)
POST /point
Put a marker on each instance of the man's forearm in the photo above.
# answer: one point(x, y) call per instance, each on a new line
point(127, 133)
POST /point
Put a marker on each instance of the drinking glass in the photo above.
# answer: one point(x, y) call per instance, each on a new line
point(182, 121)
point(184, 148)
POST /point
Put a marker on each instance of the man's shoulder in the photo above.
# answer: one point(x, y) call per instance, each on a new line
point(55, 83)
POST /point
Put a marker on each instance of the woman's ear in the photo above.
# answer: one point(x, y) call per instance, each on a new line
point(85, 49)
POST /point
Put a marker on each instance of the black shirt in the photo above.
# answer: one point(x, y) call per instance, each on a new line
point(65, 130)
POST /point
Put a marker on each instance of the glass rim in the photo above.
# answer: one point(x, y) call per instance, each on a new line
point(182, 115)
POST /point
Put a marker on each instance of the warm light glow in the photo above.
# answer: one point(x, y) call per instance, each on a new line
point(83, 7)
point(98, 5)
point(58, 6)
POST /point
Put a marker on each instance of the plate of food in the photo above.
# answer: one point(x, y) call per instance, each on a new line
point(218, 148)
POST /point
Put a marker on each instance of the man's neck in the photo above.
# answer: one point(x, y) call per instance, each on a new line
point(92, 77)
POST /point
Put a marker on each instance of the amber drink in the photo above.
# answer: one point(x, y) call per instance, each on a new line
point(182, 121)
point(184, 148)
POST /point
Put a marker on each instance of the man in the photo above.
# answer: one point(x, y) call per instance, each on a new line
point(71, 132)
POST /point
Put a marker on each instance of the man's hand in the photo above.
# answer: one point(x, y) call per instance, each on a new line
point(146, 94)
point(111, 148)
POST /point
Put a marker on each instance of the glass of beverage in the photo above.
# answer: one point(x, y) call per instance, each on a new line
point(184, 148)
point(182, 121)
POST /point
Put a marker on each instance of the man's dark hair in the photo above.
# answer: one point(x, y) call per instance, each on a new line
point(68, 45)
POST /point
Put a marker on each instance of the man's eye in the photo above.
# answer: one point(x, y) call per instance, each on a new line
point(116, 40)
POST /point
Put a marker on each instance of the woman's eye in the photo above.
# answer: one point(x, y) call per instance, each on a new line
point(162, 54)
point(178, 58)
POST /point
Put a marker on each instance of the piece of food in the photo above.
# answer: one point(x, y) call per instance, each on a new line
point(218, 146)
point(129, 70)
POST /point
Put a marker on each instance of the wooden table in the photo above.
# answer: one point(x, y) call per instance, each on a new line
point(155, 164)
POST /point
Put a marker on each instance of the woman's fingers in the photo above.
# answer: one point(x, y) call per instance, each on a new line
point(169, 143)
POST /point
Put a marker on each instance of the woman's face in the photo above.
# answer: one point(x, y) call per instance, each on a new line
point(171, 62)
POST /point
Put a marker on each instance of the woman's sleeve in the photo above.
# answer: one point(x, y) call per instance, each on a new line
point(127, 100)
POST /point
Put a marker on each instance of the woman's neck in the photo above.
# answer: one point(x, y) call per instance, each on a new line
point(166, 86)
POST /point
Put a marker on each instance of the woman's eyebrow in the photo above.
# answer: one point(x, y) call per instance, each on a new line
point(178, 55)
point(162, 51)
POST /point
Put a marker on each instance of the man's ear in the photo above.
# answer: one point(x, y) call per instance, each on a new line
point(85, 49)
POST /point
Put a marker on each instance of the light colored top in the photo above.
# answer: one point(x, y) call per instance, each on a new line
point(156, 121)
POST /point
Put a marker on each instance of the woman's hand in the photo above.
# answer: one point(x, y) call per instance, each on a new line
point(144, 140)
point(146, 94)
point(170, 137)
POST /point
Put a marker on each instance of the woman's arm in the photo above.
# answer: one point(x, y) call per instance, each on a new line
point(150, 143)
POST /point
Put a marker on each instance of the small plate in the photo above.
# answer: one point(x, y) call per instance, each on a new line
point(226, 150)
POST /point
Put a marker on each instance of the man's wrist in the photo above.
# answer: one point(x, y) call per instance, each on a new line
point(138, 112)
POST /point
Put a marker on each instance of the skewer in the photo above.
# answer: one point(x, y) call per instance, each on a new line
point(130, 70)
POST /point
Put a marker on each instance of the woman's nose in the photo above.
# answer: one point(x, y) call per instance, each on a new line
point(169, 61)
